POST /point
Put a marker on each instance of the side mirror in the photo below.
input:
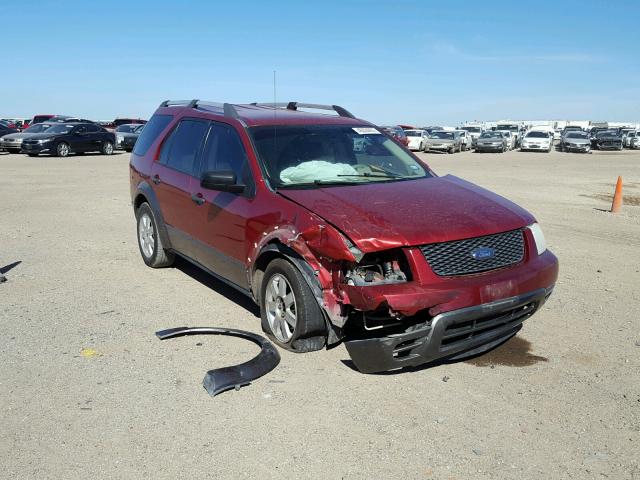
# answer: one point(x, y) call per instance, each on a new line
point(222, 180)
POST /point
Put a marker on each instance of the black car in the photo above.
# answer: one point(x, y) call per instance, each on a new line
point(126, 136)
point(63, 138)
point(607, 140)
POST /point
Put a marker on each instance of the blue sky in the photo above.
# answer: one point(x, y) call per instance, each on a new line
point(418, 62)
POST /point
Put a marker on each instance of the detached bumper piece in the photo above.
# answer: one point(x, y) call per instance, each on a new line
point(223, 379)
point(451, 335)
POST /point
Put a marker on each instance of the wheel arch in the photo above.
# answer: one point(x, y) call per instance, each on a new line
point(144, 193)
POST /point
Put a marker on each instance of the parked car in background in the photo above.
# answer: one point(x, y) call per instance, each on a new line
point(397, 133)
point(624, 132)
point(511, 139)
point(465, 138)
point(514, 128)
point(40, 118)
point(417, 139)
point(492, 141)
point(607, 140)
point(58, 118)
point(127, 121)
point(444, 141)
point(5, 129)
point(635, 142)
point(13, 141)
point(576, 141)
point(127, 135)
point(61, 139)
point(628, 138)
point(431, 129)
point(535, 140)
point(10, 122)
point(333, 243)
point(474, 132)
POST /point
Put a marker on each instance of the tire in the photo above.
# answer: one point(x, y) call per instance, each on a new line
point(62, 150)
point(107, 148)
point(32, 154)
point(149, 242)
point(128, 150)
point(285, 298)
point(452, 150)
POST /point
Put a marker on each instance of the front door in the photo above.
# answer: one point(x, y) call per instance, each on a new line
point(221, 220)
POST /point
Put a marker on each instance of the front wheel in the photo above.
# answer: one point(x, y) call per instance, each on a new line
point(107, 148)
point(290, 314)
point(149, 242)
point(62, 150)
point(32, 154)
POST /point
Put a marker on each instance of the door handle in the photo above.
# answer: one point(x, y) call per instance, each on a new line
point(156, 179)
point(197, 198)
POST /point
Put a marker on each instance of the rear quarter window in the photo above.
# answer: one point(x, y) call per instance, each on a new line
point(152, 129)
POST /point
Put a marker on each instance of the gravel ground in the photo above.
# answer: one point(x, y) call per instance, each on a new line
point(560, 400)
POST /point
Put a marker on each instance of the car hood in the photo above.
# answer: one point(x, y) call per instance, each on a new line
point(613, 136)
point(379, 216)
point(441, 140)
point(40, 136)
point(17, 136)
point(126, 134)
point(490, 140)
point(586, 141)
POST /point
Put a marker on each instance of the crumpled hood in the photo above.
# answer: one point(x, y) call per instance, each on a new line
point(379, 216)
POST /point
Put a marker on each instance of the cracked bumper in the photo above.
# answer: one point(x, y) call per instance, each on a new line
point(452, 334)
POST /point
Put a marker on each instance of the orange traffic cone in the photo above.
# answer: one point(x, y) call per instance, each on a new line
point(616, 206)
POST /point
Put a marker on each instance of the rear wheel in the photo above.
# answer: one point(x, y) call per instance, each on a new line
point(62, 149)
point(290, 313)
point(149, 242)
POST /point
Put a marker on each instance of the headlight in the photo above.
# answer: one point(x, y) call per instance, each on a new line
point(44, 140)
point(538, 236)
point(119, 138)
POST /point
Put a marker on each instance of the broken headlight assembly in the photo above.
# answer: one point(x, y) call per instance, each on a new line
point(380, 268)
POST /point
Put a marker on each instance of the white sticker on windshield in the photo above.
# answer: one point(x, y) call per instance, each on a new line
point(366, 131)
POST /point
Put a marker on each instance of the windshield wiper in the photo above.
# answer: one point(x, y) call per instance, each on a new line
point(318, 182)
point(370, 175)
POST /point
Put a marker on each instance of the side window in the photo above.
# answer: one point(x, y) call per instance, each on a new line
point(81, 129)
point(152, 129)
point(224, 151)
point(92, 128)
point(185, 144)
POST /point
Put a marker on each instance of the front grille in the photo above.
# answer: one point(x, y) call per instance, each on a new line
point(464, 331)
point(456, 258)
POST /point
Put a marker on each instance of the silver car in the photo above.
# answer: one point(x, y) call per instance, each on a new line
point(576, 142)
point(444, 141)
point(628, 138)
point(13, 141)
point(492, 141)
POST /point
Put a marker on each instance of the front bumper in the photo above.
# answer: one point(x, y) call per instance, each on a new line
point(539, 148)
point(10, 146)
point(455, 334)
point(442, 146)
point(35, 147)
point(481, 147)
point(576, 148)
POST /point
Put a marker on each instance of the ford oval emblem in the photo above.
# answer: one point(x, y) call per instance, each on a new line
point(483, 253)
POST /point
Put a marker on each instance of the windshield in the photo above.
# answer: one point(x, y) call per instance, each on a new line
point(61, 128)
point(413, 133)
point(513, 128)
point(577, 135)
point(491, 135)
point(127, 128)
point(471, 129)
point(537, 135)
point(442, 135)
point(315, 155)
point(607, 133)
point(38, 128)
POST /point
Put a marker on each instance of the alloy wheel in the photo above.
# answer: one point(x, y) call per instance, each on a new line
point(146, 235)
point(281, 307)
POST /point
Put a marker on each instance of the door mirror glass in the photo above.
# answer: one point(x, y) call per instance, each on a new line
point(222, 180)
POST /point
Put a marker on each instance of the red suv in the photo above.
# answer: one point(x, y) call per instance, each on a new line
point(336, 231)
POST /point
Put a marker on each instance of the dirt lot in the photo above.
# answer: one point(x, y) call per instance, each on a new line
point(560, 400)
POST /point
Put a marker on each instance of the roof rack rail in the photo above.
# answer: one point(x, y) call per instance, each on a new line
point(228, 108)
point(343, 112)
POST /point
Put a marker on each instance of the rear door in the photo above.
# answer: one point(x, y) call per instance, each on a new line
point(94, 138)
point(173, 179)
point(221, 220)
point(78, 139)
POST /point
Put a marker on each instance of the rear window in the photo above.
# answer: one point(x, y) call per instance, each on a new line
point(152, 129)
